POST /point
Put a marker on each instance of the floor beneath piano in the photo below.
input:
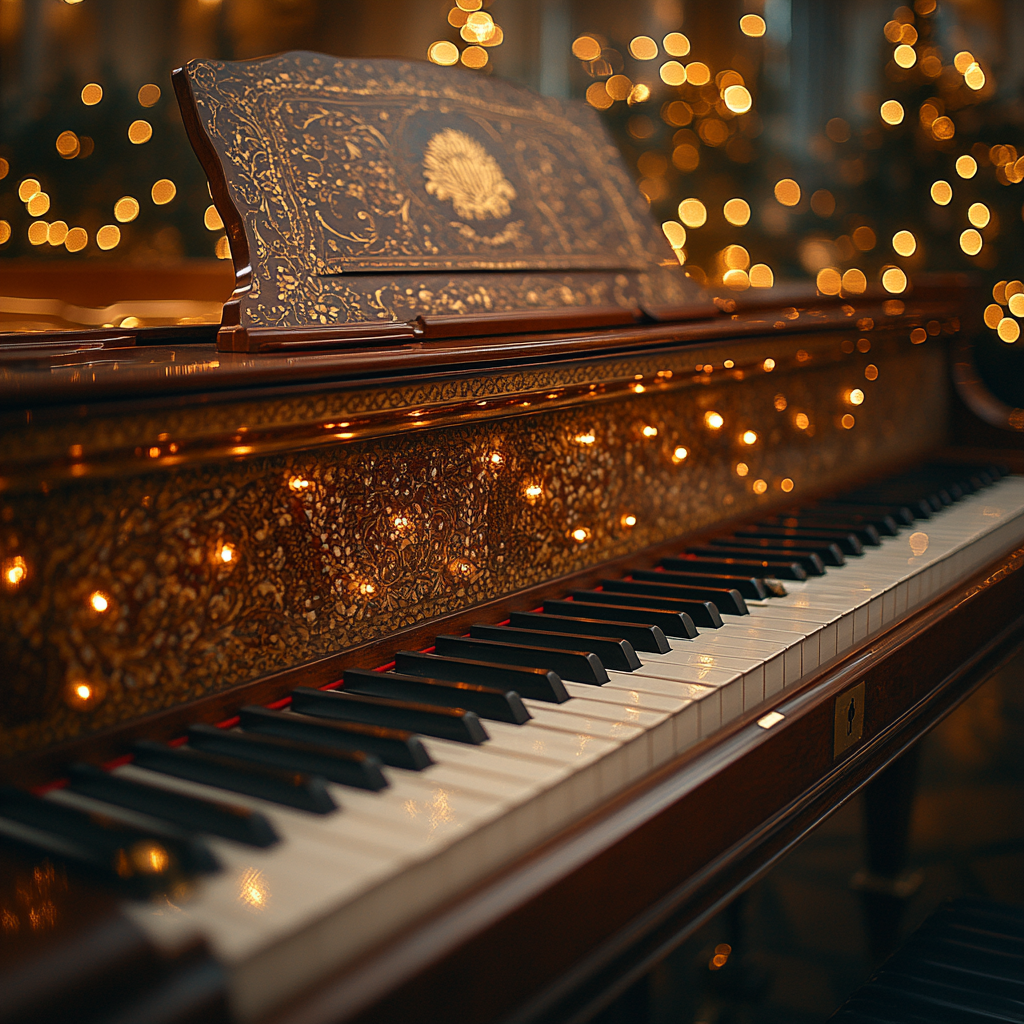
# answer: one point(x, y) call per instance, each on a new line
point(802, 946)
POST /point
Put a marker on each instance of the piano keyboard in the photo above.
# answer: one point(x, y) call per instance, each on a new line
point(310, 833)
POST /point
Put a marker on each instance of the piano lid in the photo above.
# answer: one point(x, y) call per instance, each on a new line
point(361, 191)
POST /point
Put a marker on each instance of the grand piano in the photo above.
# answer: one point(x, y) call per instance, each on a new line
point(483, 605)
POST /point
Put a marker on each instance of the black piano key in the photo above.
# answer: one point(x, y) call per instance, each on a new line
point(486, 701)
point(190, 812)
point(724, 600)
point(920, 507)
point(396, 747)
point(279, 786)
point(140, 860)
point(809, 561)
point(614, 652)
point(643, 638)
point(830, 554)
point(579, 666)
point(535, 683)
point(430, 720)
point(703, 613)
point(349, 767)
point(750, 587)
point(864, 532)
point(901, 515)
point(675, 624)
point(754, 567)
point(849, 543)
point(884, 523)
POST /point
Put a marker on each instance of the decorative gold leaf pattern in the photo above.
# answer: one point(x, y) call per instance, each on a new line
point(460, 169)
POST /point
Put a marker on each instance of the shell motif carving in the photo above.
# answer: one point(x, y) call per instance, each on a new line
point(458, 168)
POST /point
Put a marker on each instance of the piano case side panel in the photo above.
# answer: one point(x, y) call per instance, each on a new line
point(238, 539)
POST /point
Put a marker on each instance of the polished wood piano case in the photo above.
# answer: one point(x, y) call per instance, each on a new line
point(408, 423)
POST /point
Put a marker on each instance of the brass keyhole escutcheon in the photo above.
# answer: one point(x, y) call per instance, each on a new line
point(849, 719)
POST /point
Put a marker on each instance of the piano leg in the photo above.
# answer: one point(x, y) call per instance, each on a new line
point(886, 885)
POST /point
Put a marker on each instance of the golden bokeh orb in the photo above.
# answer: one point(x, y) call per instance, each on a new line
point(829, 281)
point(77, 240)
point(979, 215)
point(904, 243)
point(737, 212)
point(905, 56)
point(586, 48)
point(1008, 330)
point(966, 166)
point(753, 25)
point(894, 280)
point(941, 192)
point(139, 132)
point(693, 213)
point(891, 112)
point(698, 73)
point(163, 191)
point(149, 95)
point(597, 96)
point(126, 209)
point(443, 52)
point(108, 237)
point(28, 188)
point(738, 99)
point(212, 220)
point(855, 282)
point(970, 242)
point(787, 192)
point(672, 73)
point(38, 204)
point(676, 44)
point(92, 94)
point(68, 145)
point(643, 48)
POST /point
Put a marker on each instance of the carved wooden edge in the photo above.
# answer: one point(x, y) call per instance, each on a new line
point(262, 340)
point(531, 327)
point(115, 460)
point(233, 224)
point(976, 396)
point(43, 767)
point(426, 967)
point(18, 344)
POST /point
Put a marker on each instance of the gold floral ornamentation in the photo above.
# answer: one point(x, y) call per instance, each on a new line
point(458, 168)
